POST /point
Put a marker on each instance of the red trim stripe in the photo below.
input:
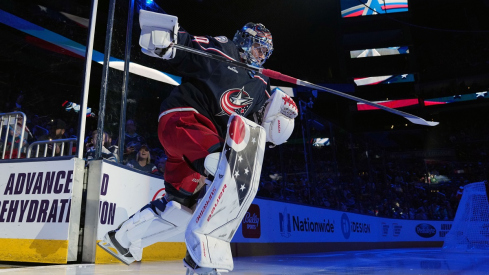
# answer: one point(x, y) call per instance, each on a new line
point(257, 76)
point(396, 6)
point(177, 109)
point(215, 50)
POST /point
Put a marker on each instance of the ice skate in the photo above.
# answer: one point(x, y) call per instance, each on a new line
point(113, 247)
point(193, 268)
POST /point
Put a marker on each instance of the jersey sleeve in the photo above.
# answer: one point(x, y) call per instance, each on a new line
point(196, 66)
point(257, 112)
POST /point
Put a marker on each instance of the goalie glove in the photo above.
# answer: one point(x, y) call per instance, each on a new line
point(158, 32)
point(278, 117)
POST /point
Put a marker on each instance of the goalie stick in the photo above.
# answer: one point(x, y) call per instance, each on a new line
point(279, 76)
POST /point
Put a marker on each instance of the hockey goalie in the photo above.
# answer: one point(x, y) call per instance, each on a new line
point(214, 128)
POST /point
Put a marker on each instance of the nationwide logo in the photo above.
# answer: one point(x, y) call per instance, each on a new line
point(284, 222)
point(303, 224)
point(425, 230)
point(235, 101)
point(250, 226)
point(308, 225)
point(348, 227)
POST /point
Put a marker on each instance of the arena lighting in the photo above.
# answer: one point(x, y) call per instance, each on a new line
point(149, 2)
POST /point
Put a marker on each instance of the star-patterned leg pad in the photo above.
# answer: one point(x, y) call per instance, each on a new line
point(236, 181)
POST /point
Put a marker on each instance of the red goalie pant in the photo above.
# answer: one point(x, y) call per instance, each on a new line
point(187, 137)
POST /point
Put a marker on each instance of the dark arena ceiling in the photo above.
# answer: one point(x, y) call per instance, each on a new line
point(448, 42)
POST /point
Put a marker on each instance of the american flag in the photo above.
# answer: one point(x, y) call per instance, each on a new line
point(353, 8)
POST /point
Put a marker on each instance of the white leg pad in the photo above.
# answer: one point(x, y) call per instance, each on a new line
point(146, 227)
point(211, 162)
point(221, 210)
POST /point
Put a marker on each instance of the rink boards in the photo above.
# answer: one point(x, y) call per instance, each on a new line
point(114, 193)
point(40, 206)
point(44, 224)
point(269, 227)
point(272, 228)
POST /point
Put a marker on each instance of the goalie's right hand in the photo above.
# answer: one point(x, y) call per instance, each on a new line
point(158, 32)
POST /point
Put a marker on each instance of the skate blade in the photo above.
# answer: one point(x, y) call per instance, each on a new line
point(203, 270)
point(107, 246)
point(191, 271)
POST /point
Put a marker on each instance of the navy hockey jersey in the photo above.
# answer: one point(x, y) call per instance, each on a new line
point(213, 88)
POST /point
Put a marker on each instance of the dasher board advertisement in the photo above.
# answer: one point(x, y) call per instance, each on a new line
point(40, 210)
point(115, 192)
point(278, 222)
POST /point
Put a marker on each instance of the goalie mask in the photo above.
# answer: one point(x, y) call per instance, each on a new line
point(256, 43)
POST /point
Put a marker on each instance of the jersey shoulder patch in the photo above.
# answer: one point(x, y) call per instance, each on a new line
point(221, 39)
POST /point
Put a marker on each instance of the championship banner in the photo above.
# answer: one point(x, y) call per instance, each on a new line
point(115, 192)
point(40, 204)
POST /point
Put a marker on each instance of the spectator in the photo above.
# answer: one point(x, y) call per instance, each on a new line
point(57, 130)
point(132, 141)
point(109, 152)
point(13, 132)
point(143, 161)
point(161, 166)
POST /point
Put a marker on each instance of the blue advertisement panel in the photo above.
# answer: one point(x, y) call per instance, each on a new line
point(279, 222)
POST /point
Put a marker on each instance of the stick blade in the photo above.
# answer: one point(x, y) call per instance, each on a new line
point(420, 121)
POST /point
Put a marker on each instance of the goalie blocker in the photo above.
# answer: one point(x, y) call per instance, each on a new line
point(158, 32)
point(221, 210)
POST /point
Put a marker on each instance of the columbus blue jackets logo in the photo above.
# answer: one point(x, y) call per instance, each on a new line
point(235, 101)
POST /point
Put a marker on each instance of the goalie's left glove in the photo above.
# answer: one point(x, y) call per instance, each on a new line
point(278, 117)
